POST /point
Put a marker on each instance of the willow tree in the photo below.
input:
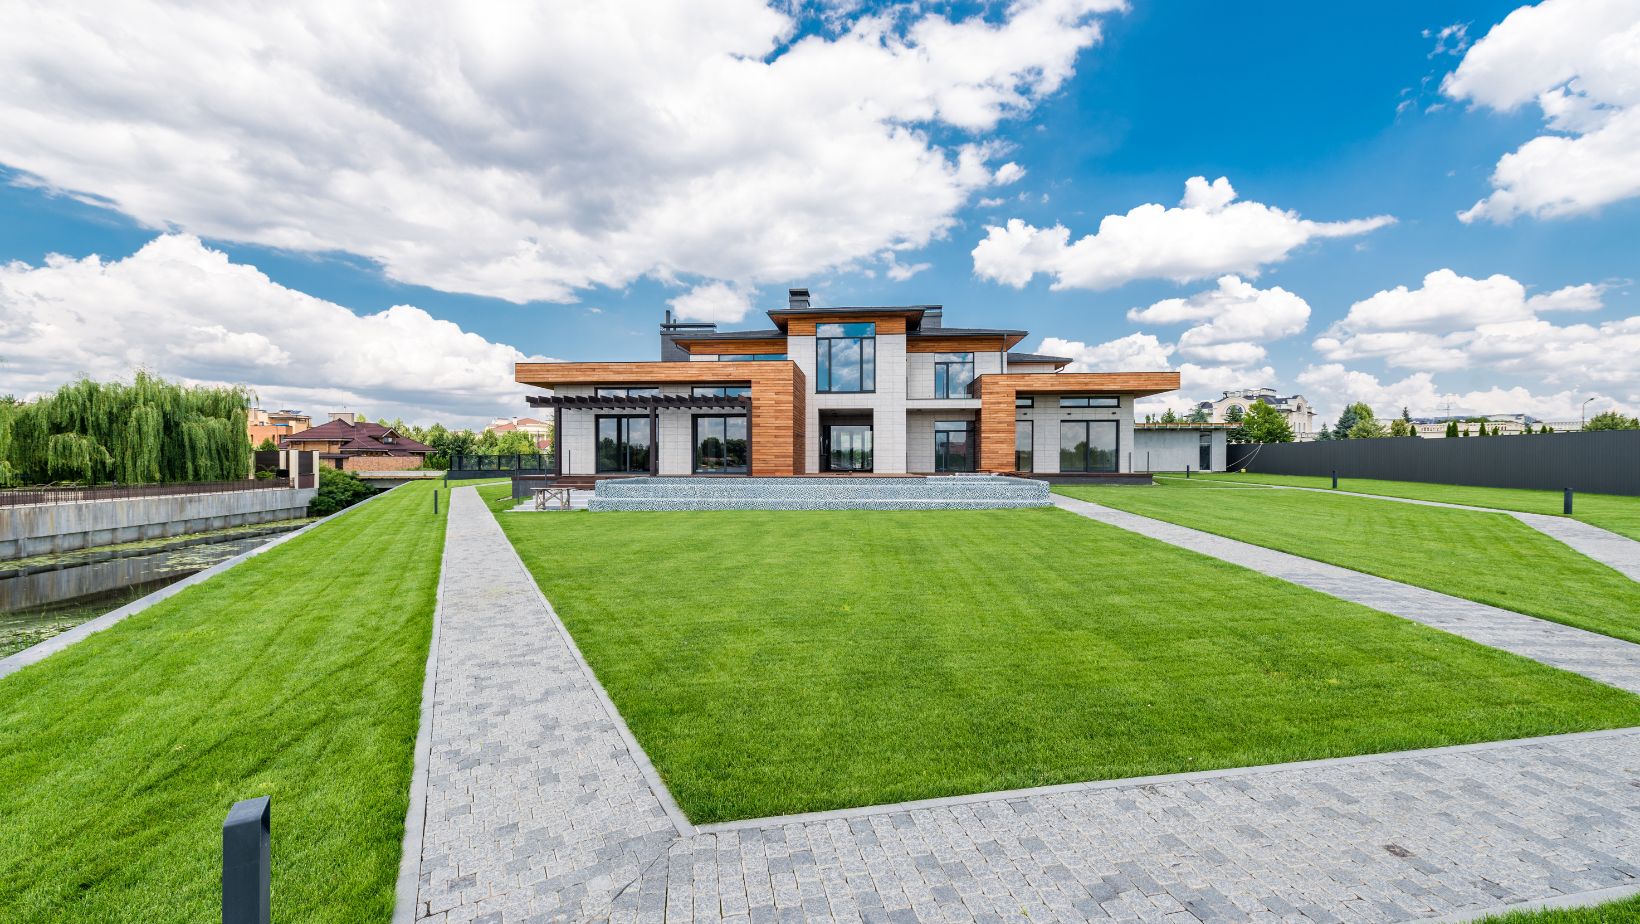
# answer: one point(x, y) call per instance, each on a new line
point(149, 430)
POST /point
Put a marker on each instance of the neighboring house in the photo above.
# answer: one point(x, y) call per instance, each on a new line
point(359, 445)
point(539, 430)
point(275, 425)
point(869, 389)
point(1300, 416)
point(1173, 447)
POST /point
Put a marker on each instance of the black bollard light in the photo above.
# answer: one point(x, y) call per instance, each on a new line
point(435, 502)
point(1335, 479)
point(1567, 504)
point(1187, 471)
point(246, 863)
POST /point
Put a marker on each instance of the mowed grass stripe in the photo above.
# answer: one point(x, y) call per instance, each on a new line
point(1614, 512)
point(296, 674)
point(1490, 558)
point(779, 662)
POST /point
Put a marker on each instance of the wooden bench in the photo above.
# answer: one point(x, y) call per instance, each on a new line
point(545, 497)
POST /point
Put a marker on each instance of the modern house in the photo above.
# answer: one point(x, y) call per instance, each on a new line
point(1300, 415)
point(275, 425)
point(881, 389)
point(359, 445)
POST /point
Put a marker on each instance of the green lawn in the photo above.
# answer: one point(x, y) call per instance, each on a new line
point(1626, 911)
point(296, 674)
point(1615, 512)
point(1489, 557)
point(775, 662)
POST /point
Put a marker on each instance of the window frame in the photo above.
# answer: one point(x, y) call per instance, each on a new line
point(943, 367)
point(1027, 427)
point(626, 391)
point(694, 446)
point(1090, 401)
point(969, 431)
point(720, 391)
point(1088, 425)
point(824, 346)
point(622, 439)
point(1023, 401)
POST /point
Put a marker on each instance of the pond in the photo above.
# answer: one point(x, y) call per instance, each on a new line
point(43, 596)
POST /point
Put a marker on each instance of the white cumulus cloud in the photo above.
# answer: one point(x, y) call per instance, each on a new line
point(1141, 352)
point(528, 151)
point(184, 310)
point(1332, 386)
point(1208, 234)
point(721, 302)
point(1236, 318)
point(1456, 322)
point(1576, 60)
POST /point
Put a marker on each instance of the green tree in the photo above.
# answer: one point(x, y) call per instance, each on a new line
point(1612, 420)
point(1451, 428)
point(1326, 432)
point(1402, 426)
point(1199, 416)
point(266, 445)
point(1366, 425)
point(1346, 422)
point(1168, 417)
point(1265, 424)
point(1234, 414)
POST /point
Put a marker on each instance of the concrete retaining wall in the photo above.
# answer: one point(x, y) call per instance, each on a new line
point(47, 528)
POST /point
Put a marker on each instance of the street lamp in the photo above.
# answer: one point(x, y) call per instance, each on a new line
point(1582, 412)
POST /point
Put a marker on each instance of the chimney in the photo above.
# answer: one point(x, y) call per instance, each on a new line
point(671, 330)
point(933, 316)
point(797, 298)
point(346, 416)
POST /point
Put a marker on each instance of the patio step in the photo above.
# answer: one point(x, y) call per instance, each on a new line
point(937, 492)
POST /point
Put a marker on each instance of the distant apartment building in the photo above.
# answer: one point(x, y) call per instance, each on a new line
point(275, 425)
point(1300, 416)
point(1504, 424)
point(539, 430)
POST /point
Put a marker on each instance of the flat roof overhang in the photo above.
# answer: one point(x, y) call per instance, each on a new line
point(662, 372)
point(1138, 384)
point(639, 402)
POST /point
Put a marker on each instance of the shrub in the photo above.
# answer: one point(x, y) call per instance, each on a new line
point(338, 490)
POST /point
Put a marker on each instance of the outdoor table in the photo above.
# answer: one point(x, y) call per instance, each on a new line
point(546, 496)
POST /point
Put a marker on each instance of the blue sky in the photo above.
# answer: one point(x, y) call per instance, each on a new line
point(1333, 113)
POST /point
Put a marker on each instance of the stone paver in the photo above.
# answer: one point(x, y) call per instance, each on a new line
point(539, 809)
point(1611, 549)
point(535, 803)
point(1601, 657)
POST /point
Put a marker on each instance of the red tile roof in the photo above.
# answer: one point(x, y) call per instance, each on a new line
point(359, 437)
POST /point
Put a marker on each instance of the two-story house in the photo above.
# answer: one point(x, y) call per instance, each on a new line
point(882, 389)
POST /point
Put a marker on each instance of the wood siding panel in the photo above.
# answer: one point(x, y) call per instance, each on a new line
point(778, 388)
point(803, 326)
point(953, 344)
point(733, 347)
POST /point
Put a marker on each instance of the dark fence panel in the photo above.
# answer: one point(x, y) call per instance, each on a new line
point(22, 496)
point(479, 466)
point(1599, 461)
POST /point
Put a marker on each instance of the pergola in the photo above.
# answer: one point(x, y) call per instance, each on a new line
point(654, 404)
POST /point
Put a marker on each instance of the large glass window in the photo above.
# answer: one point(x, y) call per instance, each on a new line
point(627, 391)
point(953, 375)
point(1024, 433)
point(623, 444)
point(1090, 401)
point(1024, 402)
point(848, 448)
point(1087, 445)
point(721, 391)
point(954, 446)
point(765, 357)
point(720, 444)
point(845, 357)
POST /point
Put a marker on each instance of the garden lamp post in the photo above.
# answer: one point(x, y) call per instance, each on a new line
point(1583, 412)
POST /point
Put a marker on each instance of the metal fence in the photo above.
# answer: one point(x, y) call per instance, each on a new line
point(1599, 461)
point(477, 466)
point(66, 495)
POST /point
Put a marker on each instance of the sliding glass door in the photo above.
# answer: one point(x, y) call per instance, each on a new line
point(720, 445)
point(624, 444)
point(848, 447)
point(954, 446)
point(1087, 445)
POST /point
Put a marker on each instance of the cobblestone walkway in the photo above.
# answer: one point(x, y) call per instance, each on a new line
point(540, 809)
point(1601, 657)
point(1613, 550)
